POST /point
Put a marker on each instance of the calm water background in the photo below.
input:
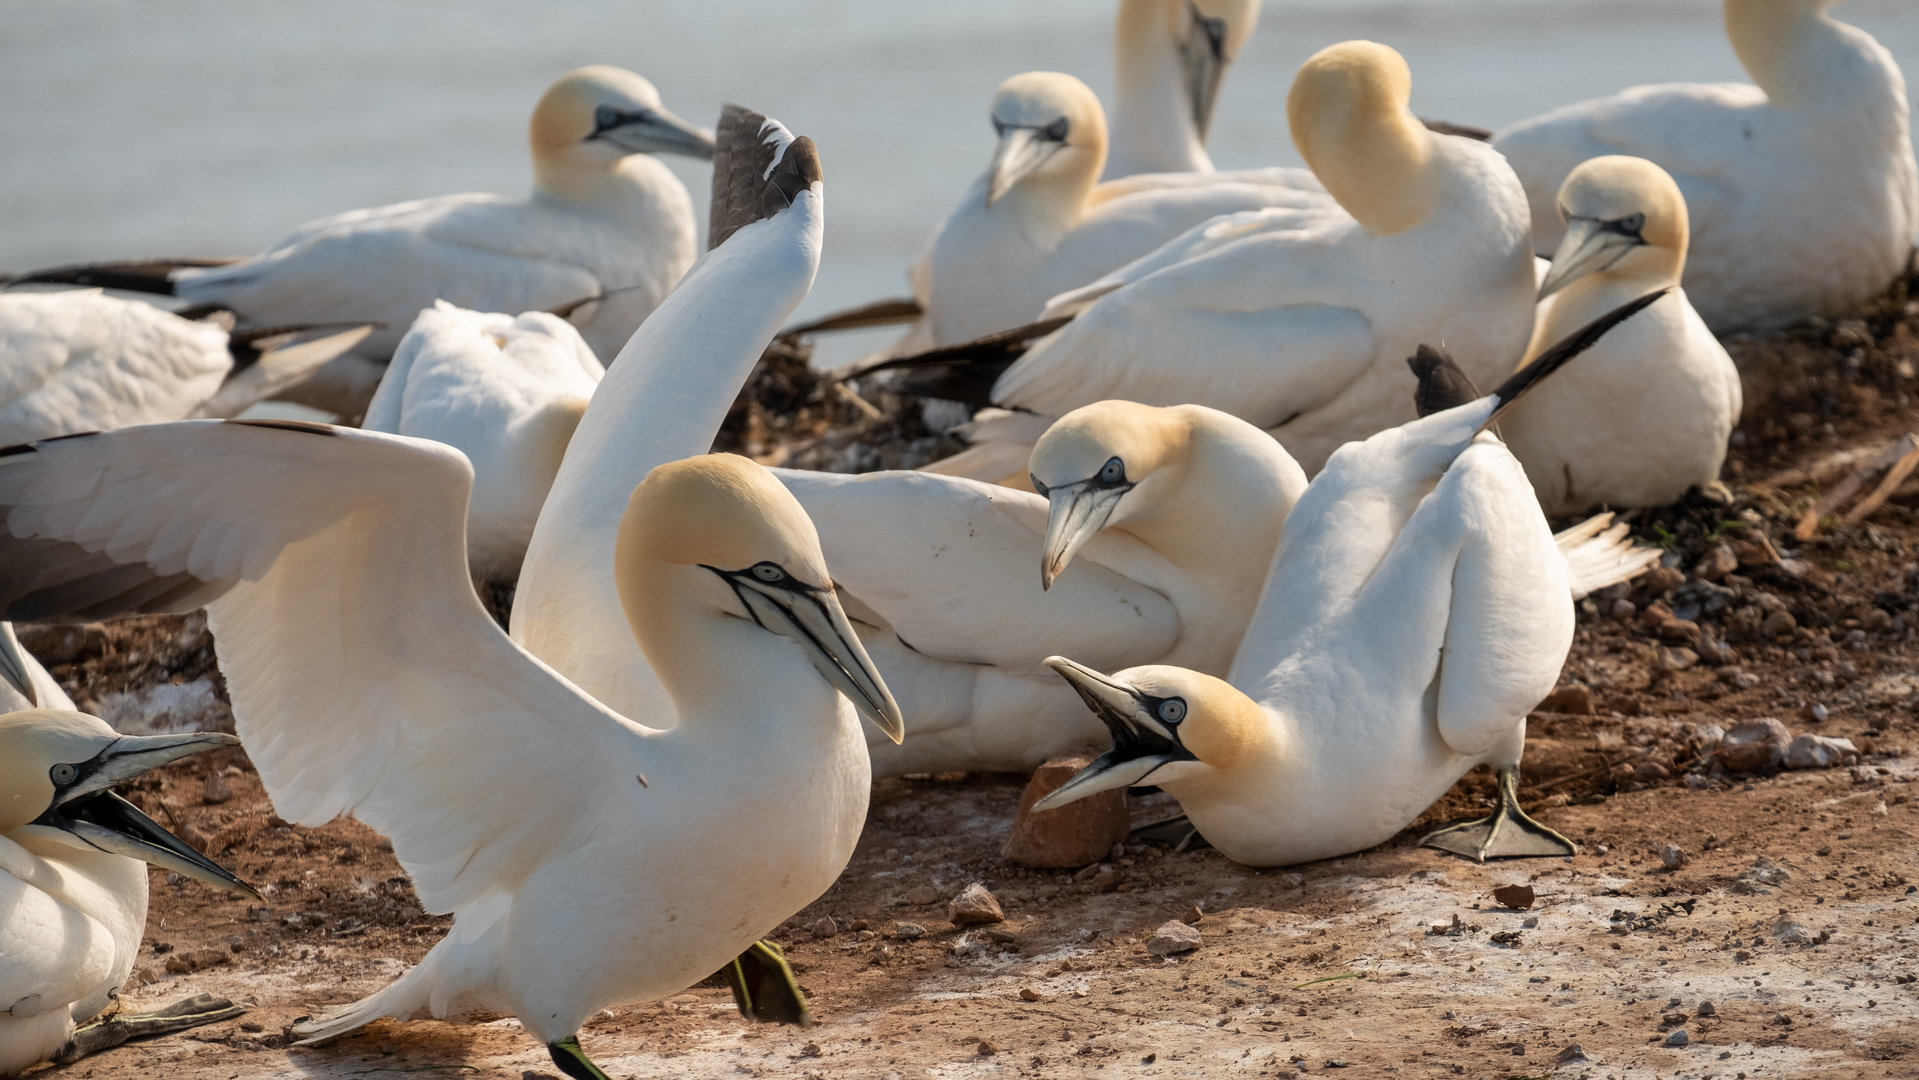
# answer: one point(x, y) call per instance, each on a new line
point(189, 127)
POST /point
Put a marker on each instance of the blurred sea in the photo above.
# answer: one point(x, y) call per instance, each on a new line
point(206, 127)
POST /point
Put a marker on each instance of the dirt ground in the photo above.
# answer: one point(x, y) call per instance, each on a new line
point(1782, 943)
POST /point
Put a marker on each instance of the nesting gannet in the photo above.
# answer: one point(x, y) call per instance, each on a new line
point(1802, 189)
point(1645, 416)
point(78, 360)
point(1299, 320)
point(1038, 222)
point(588, 859)
point(605, 218)
point(1169, 58)
point(1416, 610)
point(664, 399)
point(1168, 515)
point(507, 392)
point(73, 884)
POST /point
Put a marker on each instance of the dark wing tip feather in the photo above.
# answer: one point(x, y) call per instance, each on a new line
point(1443, 384)
point(759, 168)
point(1464, 131)
point(131, 275)
point(289, 425)
point(1568, 347)
point(968, 371)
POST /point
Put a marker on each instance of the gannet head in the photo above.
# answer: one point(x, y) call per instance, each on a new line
point(1204, 34)
point(1052, 132)
point(595, 116)
point(1168, 724)
point(1764, 34)
point(57, 771)
point(752, 553)
point(1352, 120)
point(1095, 465)
point(1624, 216)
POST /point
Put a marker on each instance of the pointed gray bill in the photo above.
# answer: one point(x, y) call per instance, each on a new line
point(651, 131)
point(16, 670)
point(1202, 61)
point(1590, 246)
point(85, 807)
point(1141, 744)
point(1021, 150)
point(1075, 512)
point(812, 616)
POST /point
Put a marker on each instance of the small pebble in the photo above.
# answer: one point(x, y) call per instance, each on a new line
point(923, 895)
point(1671, 857)
point(1678, 1037)
point(974, 906)
point(1706, 1008)
point(907, 931)
point(1172, 937)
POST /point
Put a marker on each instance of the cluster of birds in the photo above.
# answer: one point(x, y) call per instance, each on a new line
point(1303, 588)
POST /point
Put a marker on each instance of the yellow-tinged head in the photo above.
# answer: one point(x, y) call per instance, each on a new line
point(594, 117)
point(1352, 120)
point(1624, 217)
point(1052, 135)
point(1090, 463)
point(1171, 726)
point(727, 518)
point(57, 771)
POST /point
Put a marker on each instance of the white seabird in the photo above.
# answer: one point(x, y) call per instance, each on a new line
point(1803, 191)
point(1646, 415)
point(1169, 59)
point(1416, 610)
point(78, 360)
point(73, 884)
point(1284, 317)
point(507, 392)
point(605, 219)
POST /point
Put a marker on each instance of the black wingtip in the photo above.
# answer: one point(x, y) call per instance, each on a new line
point(965, 372)
point(130, 275)
point(1572, 345)
point(1443, 384)
point(759, 168)
point(1464, 131)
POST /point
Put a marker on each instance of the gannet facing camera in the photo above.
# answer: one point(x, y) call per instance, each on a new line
point(73, 884)
point(1299, 320)
point(1646, 415)
point(1169, 59)
point(1417, 609)
point(605, 219)
point(1169, 517)
point(505, 391)
point(1803, 191)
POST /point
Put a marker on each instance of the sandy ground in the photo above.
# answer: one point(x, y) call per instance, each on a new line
point(1783, 945)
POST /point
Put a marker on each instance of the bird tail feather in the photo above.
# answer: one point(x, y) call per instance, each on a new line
point(1599, 554)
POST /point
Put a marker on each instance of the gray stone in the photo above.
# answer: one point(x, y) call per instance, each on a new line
point(1817, 752)
point(1754, 744)
point(1677, 1037)
point(1172, 937)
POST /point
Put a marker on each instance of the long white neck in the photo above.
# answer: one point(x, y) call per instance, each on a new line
point(1152, 122)
point(662, 400)
point(570, 179)
point(1791, 50)
point(1590, 297)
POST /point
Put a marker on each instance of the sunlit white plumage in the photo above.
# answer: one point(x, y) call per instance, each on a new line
point(1300, 320)
point(507, 392)
point(1169, 59)
point(1169, 518)
point(1646, 414)
point(1803, 191)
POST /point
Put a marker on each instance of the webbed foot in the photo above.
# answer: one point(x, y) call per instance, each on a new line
point(573, 1061)
point(764, 986)
point(1177, 830)
point(110, 1029)
point(1506, 833)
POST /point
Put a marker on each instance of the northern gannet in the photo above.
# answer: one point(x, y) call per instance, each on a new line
point(1416, 610)
point(1173, 514)
point(605, 219)
point(1646, 415)
point(1803, 191)
point(588, 859)
point(507, 392)
point(73, 884)
point(664, 399)
point(1038, 222)
point(1169, 58)
point(1299, 320)
point(25, 683)
point(79, 360)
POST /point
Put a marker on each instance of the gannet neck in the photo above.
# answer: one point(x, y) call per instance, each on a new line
point(1789, 47)
point(1169, 58)
point(1351, 120)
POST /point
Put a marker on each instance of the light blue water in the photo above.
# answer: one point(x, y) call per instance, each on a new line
point(137, 127)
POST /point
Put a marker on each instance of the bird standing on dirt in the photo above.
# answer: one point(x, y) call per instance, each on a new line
point(73, 885)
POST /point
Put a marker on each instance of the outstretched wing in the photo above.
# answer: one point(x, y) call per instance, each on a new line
point(365, 676)
point(957, 576)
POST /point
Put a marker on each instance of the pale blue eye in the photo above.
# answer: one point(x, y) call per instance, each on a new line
point(769, 573)
point(1172, 710)
point(64, 774)
point(1113, 471)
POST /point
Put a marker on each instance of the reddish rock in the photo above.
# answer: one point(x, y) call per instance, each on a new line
point(1075, 834)
point(1718, 562)
point(974, 905)
point(1572, 698)
point(1755, 744)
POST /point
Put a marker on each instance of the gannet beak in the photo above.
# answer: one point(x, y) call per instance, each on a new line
point(1141, 744)
point(813, 617)
point(1074, 513)
point(1590, 246)
point(1203, 60)
point(651, 131)
point(90, 813)
point(1021, 150)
